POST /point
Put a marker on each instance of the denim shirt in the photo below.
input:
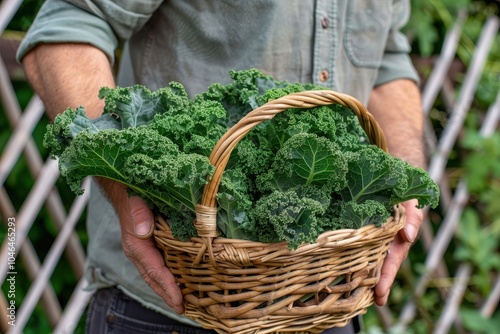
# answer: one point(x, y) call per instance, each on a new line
point(346, 45)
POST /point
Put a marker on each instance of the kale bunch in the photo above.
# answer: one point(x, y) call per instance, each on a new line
point(291, 178)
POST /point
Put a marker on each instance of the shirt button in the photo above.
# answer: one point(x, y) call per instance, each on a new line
point(323, 75)
point(324, 22)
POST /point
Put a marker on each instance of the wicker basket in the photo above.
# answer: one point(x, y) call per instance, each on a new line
point(241, 286)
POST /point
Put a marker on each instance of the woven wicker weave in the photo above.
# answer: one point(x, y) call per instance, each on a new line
point(241, 286)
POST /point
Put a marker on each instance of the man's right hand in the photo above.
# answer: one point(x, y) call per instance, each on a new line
point(137, 225)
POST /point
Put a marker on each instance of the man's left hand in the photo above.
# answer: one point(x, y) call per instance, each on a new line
point(398, 251)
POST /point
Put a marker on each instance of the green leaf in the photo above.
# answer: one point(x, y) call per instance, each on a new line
point(419, 186)
point(132, 106)
point(306, 159)
point(474, 321)
point(372, 171)
point(234, 204)
point(469, 229)
point(180, 177)
point(427, 35)
point(481, 164)
point(357, 215)
point(285, 216)
point(478, 245)
point(104, 153)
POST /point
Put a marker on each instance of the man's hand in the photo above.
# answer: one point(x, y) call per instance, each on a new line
point(137, 225)
point(398, 251)
point(140, 248)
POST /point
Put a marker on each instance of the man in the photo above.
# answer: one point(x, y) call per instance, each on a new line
point(354, 47)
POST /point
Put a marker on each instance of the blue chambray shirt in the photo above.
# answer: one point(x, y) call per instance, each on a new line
point(346, 45)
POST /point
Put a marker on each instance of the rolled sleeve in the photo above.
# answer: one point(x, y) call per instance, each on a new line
point(100, 23)
point(125, 17)
point(396, 62)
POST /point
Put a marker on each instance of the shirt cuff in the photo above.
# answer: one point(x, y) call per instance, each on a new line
point(61, 22)
point(396, 66)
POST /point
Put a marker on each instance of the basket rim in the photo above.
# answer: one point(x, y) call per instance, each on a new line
point(342, 238)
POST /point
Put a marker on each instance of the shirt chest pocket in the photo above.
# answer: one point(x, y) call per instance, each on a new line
point(367, 27)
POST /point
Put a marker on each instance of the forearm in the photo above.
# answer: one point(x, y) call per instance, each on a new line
point(68, 75)
point(396, 106)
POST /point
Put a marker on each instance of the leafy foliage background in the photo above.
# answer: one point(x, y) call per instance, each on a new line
point(478, 158)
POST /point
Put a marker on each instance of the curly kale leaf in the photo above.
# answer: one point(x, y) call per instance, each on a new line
point(371, 172)
point(181, 224)
point(195, 129)
point(234, 204)
point(374, 174)
point(105, 153)
point(137, 105)
point(251, 158)
point(335, 122)
point(131, 107)
point(355, 215)
point(125, 145)
point(287, 216)
point(419, 186)
point(305, 159)
point(125, 107)
point(180, 178)
point(243, 94)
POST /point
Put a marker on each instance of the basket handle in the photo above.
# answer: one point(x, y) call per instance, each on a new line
point(206, 211)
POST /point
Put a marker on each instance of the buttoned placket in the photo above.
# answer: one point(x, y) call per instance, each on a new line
point(325, 43)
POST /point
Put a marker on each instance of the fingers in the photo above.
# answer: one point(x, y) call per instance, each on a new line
point(150, 264)
point(137, 228)
point(137, 225)
point(396, 255)
point(142, 218)
point(398, 251)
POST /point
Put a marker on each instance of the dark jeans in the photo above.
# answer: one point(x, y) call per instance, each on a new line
point(111, 311)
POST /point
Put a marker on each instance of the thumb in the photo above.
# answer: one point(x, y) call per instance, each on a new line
point(414, 218)
point(142, 217)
